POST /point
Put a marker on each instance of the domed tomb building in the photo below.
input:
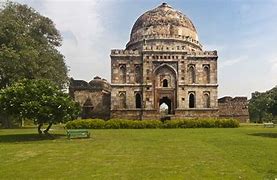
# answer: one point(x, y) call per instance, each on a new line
point(163, 65)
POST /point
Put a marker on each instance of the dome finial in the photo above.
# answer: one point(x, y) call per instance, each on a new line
point(164, 4)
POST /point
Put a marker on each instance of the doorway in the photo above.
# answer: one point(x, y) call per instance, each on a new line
point(166, 103)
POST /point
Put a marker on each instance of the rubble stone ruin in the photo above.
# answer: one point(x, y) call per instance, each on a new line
point(162, 73)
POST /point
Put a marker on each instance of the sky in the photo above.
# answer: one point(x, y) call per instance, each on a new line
point(244, 32)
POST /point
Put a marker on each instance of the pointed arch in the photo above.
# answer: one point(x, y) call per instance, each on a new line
point(206, 100)
point(165, 83)
point(165, 76)
point(192, 100)
point(171, 68)
point(122, 100)
point(206, 74)
point(192, 74)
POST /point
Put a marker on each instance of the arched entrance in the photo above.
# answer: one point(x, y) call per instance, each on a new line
point(165, 87)
point(168, 102)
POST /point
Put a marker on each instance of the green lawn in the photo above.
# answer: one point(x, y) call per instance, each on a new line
point(240, 153)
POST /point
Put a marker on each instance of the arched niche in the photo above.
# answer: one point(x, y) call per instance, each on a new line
point(122, 100)
point(192, 100)
point(206, 100)
point(191, 74)
point(165, 76)
point(206, 74)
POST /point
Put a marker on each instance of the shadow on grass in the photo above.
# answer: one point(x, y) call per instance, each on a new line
point(28, 137)
point(266, 134)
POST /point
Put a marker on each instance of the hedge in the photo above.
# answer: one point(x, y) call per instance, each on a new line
point(150, 124)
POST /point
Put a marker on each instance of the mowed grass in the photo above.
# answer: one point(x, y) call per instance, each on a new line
point(240, 153)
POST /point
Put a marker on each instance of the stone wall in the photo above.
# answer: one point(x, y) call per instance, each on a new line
point(156, 64)
point(234, 108)
point(94, 97)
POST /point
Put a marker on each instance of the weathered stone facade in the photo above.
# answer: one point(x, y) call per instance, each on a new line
point(163, 63)
point(94, 97)
point(234, 108)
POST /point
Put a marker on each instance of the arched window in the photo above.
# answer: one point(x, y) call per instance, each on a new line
point(138, 100)
point(191, 72)
point(191, 100)
point(122, 73)
point(165, 83)
point(122, 100)
point(206, 100)
point(206, 75)
point(137, 74)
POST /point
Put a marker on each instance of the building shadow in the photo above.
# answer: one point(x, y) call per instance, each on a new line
point(266, 134)
point(13, 138)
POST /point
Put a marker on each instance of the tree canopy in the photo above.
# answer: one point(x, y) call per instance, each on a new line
point(263, 106)
point(39, 100)
point(28, 46)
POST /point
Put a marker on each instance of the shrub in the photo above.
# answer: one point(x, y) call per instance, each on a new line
point(143, 124)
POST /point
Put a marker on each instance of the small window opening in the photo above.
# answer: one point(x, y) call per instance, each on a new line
point(165, 83)
point(191, 101)
point(138, 100)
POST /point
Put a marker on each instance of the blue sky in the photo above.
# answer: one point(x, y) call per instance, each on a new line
point(244, 32)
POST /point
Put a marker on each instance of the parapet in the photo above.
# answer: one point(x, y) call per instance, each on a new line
point(96, 84)
point(227, 99)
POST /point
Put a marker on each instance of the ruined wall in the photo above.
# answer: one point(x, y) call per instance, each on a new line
point(94, 97)
point(234, 108)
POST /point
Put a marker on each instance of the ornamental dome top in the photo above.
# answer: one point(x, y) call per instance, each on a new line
point(162, 22)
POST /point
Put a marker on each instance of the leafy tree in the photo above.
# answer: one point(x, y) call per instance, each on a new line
point(263, 106)
point(28, 43)
point(272, 104)
point(39, 100)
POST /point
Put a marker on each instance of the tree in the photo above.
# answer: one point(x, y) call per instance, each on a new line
point(39, 100)
point(263, 106)
point(28, 43)
point(272, 104)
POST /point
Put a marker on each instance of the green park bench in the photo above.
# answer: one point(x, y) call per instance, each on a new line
point(269, 125)
point(77, 133)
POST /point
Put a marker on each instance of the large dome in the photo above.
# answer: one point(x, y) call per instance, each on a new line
point(162, 23)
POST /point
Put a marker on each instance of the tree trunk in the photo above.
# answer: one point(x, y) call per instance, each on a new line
point(39, 126)
point(22, 122)
point(6, 121)
point(47, 129)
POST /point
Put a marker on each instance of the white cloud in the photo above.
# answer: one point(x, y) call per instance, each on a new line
point(91, 28)
point(82, 21)
point(85, 37)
